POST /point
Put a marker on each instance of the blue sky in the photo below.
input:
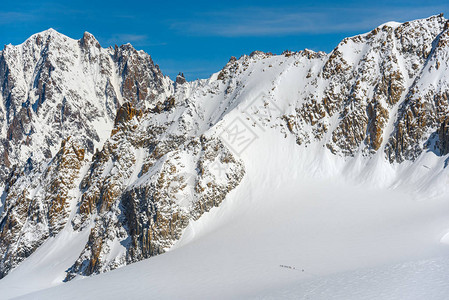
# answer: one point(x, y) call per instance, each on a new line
point(198, 38)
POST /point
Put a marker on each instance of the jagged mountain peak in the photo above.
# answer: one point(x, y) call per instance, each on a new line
point(423, 22)
point(89, 40)
point(48, 32)
point(46, 36)
point(439, 18)
point(53, 85)
point(57, 39)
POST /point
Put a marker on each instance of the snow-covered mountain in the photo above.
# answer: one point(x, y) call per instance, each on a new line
point(106, 161)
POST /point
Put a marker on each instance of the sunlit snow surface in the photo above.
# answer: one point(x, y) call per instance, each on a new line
point(296, 228)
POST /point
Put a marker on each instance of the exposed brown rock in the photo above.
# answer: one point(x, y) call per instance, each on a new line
point(126, 112)
point(443, 134)
point(25, 213)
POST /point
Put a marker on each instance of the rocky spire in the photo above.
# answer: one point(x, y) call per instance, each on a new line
point(180, 79)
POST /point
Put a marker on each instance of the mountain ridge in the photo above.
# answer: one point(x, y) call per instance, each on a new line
point(133, 157)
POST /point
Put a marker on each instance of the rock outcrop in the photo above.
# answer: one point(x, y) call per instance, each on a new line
point(38, 204)
point(368, 78)
point(53, 87)
point(146, 217)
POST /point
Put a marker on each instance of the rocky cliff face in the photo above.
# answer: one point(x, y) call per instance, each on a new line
point(53, 87)
point(37, 204)
point(99, 140)
point(378, 86)
point(146, 184)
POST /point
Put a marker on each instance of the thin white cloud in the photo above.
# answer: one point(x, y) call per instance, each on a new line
point(132, 37)
point(259, 21)
point(8, 17)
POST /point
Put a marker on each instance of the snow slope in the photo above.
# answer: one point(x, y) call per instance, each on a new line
point(345, 240)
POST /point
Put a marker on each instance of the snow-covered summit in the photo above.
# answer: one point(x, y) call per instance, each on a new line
point(50, 32)
point(54, 87)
